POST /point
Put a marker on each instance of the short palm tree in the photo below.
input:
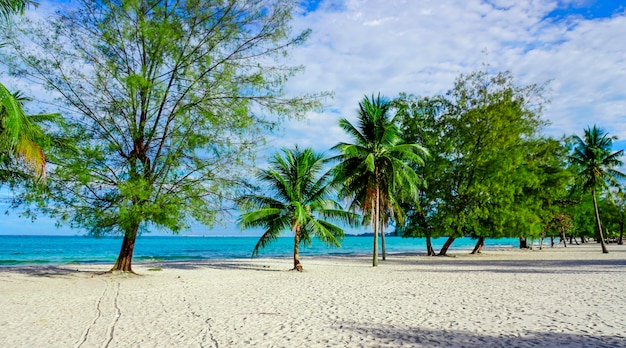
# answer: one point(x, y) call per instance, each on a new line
point(299, 202)
point(593, 156)
point(376, 171)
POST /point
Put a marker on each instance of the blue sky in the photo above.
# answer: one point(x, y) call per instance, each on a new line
point(360, 47)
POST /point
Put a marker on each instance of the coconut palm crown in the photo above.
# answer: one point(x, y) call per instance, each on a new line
point(299, 201)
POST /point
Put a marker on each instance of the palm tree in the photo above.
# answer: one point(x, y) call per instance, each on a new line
point(596, 162)
point(18, 132)
point(376, 171)
point(9, 8)
point(300, 202)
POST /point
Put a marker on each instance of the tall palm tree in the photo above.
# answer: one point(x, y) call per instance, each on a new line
point(18, 132)
point(376, 171)
point(593, 156)
point(300, 202)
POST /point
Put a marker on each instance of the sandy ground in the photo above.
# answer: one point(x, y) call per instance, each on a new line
point(563, 297)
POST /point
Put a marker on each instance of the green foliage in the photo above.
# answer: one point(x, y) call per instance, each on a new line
point(486, 156)
point(377, 171)
point(166, 102)
point(9, 8)
point(596, 164)
point(299, 201)
point(592, 155)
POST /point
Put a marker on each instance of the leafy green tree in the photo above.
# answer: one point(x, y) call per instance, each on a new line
point(479, 135)
point(592, 154)
point(300, 202)
point(421, 122)
point(618, 200)
point(168, 102)
point(377, 170)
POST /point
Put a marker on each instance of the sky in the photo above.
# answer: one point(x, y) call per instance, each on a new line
point(360, 47)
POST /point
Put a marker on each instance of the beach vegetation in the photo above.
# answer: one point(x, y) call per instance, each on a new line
point(21, 136)
point(300, 201)
point(593, 156)
point(377, 170)
point(486, 153)
point(167, 103)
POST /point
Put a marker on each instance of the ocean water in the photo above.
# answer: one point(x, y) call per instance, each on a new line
point(29, 250)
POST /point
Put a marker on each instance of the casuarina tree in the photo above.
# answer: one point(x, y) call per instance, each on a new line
point(167, 101)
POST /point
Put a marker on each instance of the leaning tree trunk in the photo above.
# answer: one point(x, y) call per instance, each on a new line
point(479, 245)
point(429, 247)
point(599, 224)
point(125, 258)
point(297, 266)
point(444, 249)
point(563, 239)
point(543, 236)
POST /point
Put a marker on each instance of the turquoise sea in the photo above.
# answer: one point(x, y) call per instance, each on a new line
point(30, 250)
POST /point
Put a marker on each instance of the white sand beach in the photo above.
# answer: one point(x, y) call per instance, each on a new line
point(562, 297)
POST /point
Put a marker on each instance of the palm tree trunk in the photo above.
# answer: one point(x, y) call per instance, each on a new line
point(125, 259)
point(375, 225)
point(444, 249)
point(382, 236)
point(429, 246)
point(599, 224)
point(297, 266)
point(479, 245)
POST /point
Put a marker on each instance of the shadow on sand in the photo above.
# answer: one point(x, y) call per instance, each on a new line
point(392, 336)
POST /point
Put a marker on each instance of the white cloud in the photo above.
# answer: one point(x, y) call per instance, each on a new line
point(363, 47)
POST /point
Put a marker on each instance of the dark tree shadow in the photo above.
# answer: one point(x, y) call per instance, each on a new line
point(392, 336)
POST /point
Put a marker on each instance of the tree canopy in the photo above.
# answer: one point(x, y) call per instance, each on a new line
point(166, 102)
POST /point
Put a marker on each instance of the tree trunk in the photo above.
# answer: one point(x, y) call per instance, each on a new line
point(444, 249)
point(620, 241)
point(429, 247)
point(125, 258)
point(375, 224)
point(382, 236)
point(543, 235)
point(599, 224)
point(563, 239)
point(297, 266)
point(551, 241)
point(479, 245)
point(523, 243)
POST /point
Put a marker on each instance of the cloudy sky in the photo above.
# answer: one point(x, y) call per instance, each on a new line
point(360, 47)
